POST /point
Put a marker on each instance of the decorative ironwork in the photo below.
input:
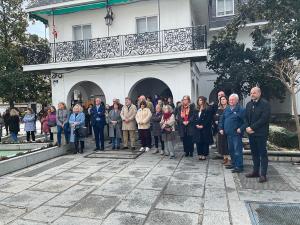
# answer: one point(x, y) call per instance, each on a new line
point(175, 40)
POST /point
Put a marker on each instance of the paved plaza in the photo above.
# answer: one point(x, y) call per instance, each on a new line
point(148, 190)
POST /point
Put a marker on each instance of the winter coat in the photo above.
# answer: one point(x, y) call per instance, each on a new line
point(62, 117)
point(44, 123)
point(52, 119)
point(14, 124)
point(155, 121)
point(189, 129)
point(29, 120)
point(202, 135)
point(115, 130)
point(257, 117)
point(143, 117)
point(80, 119)
point(170, 122)
point(128, 113)
point(232, 119)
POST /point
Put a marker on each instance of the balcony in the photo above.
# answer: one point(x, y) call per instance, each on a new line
point(151, 43)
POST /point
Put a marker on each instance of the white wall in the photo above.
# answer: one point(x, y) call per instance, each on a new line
point(174, 14)
point(117, 82)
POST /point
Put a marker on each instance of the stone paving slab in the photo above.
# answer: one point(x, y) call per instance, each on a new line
point(139, 201)
point(71, 176)
point(161, 217)
point(185, 188)
point(180, 203)
point(97, 178)
point(119, 218)
point(155, 182)
point(94, 206)
point(215, 199)
point(71, 196)
point(53, 185)
point(45, 214)
point(69, 220)
point(26, 222)
point(215, 217)
point(16, 186)
point(117, 186)
point(8, 214)
point(28, 199)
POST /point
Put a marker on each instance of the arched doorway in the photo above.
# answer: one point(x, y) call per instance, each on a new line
point(150, 87)
point(84, 93)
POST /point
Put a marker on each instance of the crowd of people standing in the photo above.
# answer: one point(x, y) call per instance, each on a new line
point(161, 121)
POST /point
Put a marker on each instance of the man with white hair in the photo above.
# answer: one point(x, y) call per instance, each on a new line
point(258, 113)
point(231, 124)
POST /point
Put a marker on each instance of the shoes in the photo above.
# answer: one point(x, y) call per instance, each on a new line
point(113, 148)
point(237, 170)
point(125, 148)
point(97, 149)
point(172, 157)
point(147, 149)
point(155, 151)
point(252, 175)
point(118, 147)
point(262, 179)
point(225, 161)
point(141, 149)
point(186, 154)
point(102, 149)
point(132, 148)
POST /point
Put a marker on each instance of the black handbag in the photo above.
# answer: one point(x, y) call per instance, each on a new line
point(82, 132)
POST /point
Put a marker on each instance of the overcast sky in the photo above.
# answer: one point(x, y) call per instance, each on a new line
point(37, 28)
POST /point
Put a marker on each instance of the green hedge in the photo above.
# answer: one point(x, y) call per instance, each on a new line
point(283, 137)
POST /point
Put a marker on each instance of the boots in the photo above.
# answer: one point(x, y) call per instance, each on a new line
point(161, 152)
point(155, 151)
point(81, 146)
point(76, 147)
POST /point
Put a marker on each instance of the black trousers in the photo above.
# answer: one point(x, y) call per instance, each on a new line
point(203, 148)
point(145, 137)
point(188, 145)
point(159, 138)
point(51, 136)
point(77, 146)
point(259, 154)
point(6, 129)
point(28, 133)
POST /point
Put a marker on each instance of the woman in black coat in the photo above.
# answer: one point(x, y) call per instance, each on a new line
point(202, 127)
point(14, 124)
point(185, 125)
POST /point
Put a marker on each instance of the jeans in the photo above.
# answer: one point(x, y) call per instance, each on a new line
point(188, 145)
point(235, 147)
point(259, 154)
point(161, 142)
point(99, 135)
point(14, 136)
point(66, 133)
point(115, 142)
point(28, 133)
point(203, 148)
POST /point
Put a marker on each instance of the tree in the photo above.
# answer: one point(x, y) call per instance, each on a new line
point(280, 61)
point(15, 46)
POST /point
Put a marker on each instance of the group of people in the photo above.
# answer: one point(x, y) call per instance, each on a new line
point(196, 125)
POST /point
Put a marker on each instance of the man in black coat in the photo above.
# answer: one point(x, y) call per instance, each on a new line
point(258, 113)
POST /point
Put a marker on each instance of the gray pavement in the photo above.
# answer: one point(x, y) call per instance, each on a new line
point(150, 190)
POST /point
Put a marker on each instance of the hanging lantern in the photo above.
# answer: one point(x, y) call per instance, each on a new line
point(109, 16)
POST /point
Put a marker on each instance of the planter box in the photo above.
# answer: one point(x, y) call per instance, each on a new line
point(21, 162)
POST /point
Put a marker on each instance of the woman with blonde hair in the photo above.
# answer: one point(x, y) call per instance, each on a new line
point(77, 122)
point(62, 122)
point(14, 124)
point(30, 126)
point(168, 131)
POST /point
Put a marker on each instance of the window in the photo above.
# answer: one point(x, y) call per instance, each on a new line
point(147, 24)
point(225, 7)
point(82, 32)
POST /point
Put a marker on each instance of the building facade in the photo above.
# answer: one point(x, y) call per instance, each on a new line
point(149, 47)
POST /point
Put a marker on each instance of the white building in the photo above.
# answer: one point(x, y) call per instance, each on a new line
point(151, 47)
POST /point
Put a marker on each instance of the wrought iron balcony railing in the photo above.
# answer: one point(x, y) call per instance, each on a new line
point(165, 41)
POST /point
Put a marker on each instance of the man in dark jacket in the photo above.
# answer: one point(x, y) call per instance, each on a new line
point(231, 124)
point(258, 113)
point(98, 123)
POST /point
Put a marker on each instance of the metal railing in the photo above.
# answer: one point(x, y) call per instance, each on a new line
point(164, 41)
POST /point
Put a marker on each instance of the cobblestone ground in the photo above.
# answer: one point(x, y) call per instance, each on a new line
point(151, 190)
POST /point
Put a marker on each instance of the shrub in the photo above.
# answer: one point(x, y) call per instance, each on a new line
point(283, 137)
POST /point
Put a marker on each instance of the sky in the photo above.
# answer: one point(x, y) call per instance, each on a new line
point(37, 28)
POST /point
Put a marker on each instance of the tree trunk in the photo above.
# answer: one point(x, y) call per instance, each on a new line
point(11, 104)
point(296, 116)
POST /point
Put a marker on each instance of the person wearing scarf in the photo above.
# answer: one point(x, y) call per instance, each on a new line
point(185, 125)
point(168, 131)
point(156, 129)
